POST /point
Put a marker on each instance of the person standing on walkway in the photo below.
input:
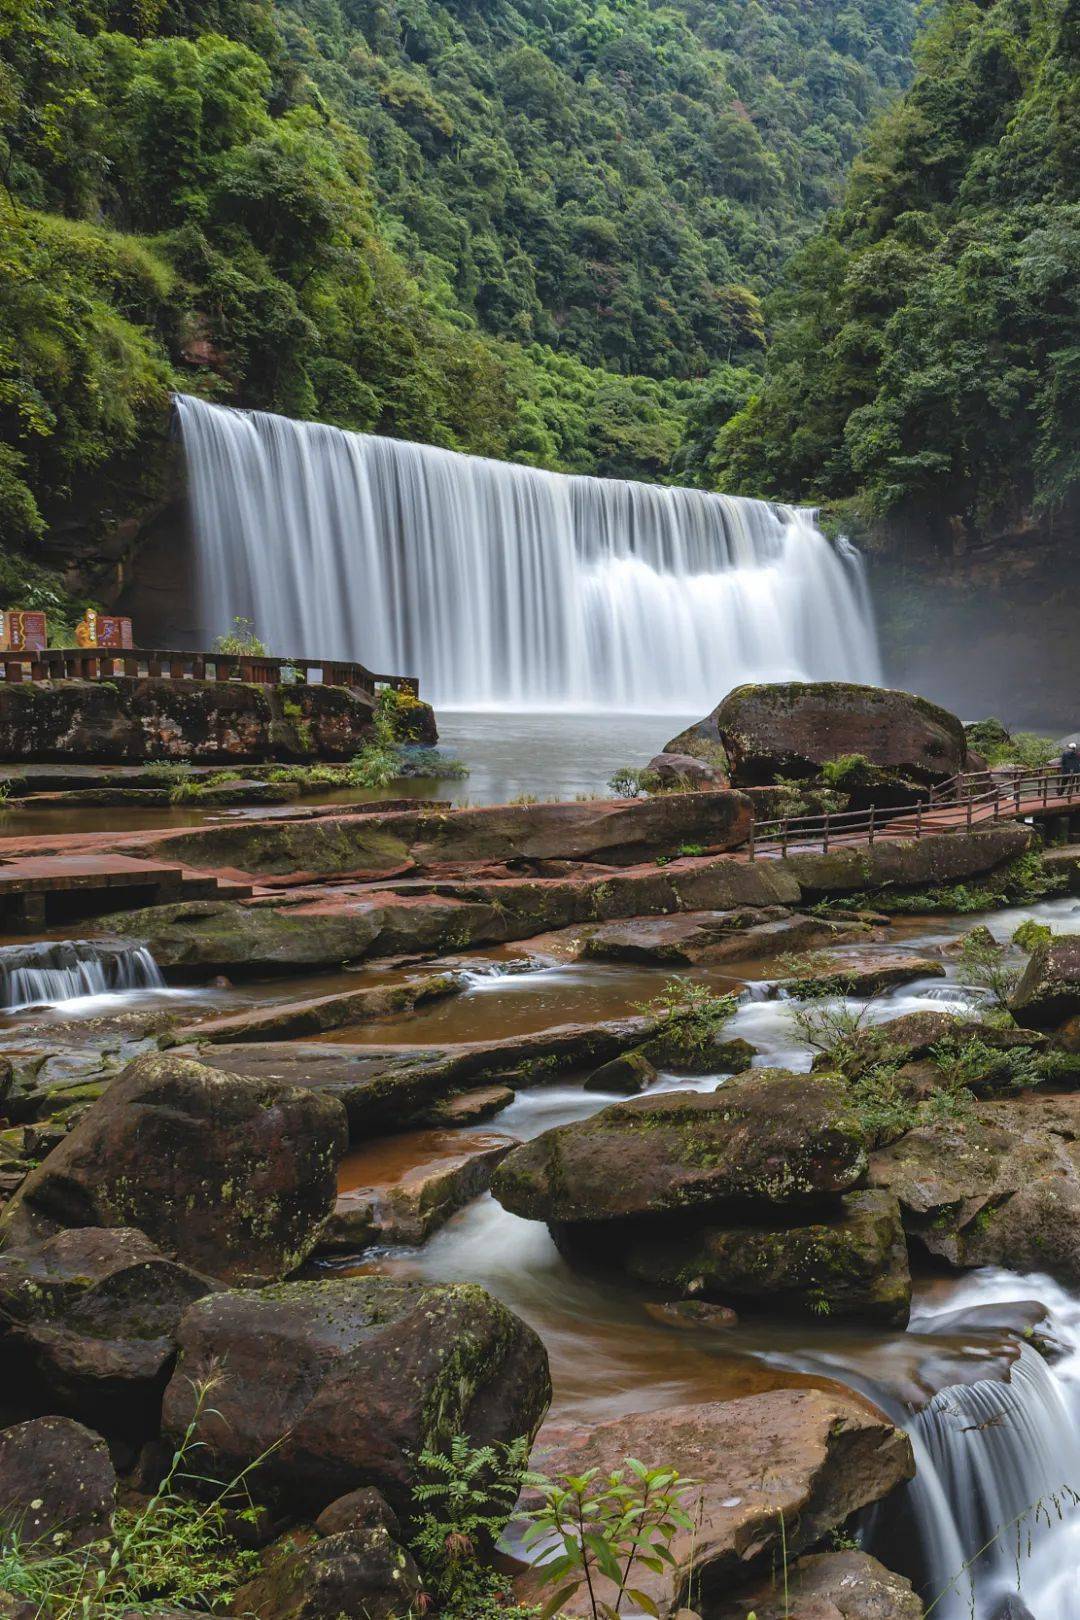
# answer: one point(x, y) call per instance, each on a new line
point(1070, 760)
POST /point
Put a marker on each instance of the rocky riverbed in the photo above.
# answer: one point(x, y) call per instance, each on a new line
point(565, 1124)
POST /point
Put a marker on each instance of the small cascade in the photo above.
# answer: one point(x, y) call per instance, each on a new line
point(996, 1495)
point(501, 585)
point(52, 972)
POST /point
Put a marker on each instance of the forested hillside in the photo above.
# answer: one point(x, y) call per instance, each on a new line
point(531, 230)
point(926, 349)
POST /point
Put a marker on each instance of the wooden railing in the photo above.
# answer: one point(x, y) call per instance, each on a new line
point(1032, 794)
point(141, 663)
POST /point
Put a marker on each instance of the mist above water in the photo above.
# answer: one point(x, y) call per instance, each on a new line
point(501, 584)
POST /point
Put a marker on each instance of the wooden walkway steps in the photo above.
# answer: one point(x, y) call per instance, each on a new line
point(38, 889)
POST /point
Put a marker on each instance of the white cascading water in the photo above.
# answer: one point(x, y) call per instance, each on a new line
point(53, 972)
point(501, 584)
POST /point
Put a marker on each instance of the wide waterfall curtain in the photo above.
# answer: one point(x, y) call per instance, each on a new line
point(503, 585)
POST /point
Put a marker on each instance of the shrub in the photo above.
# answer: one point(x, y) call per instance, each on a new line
point(240, 640)
point(628, 783)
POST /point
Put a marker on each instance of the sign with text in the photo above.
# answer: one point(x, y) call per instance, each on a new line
point(103, 630)
point(23, 630)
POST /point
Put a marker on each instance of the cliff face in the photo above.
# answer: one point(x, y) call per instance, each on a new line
point(989, 624)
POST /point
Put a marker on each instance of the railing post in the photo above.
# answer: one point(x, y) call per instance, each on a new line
point(870, 838)
point(918, 820)
point(825, 843)
point(1016, 795)
point(970, 807)
point(752, 850)
point(783, 837)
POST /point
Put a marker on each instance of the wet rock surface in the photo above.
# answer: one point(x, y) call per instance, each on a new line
point(234, 1175)
point(767, 1138)
point(349, 1380)
point(714, 936)
point(853, 1262)
point(801, 1458)
point(362, 1571)
point(842, 1585)
point(88, 1322)
point(1049, 991)
point(999, 1186)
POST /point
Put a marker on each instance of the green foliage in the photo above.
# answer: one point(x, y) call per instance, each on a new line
point(466, 1497)
point(1020, 881)
point(630, 783)
point(985, 965)
point(926, 343)
point(170, 1552)
point(375, 766)
point(847, 771)
point(609, 1526)
point(691, 1015)
point(241, 639)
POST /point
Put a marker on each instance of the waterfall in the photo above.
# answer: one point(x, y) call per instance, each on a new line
point(502, 585)
point(996, 1494)
point(51, 972)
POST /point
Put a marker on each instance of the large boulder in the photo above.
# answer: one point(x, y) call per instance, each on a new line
point(89, 1318)
point(362, 1572)
point(342, 1383)
point(792, 728)
point(843, 1585)
point(57, 1483)
point(1049, 991)
point(767, 1138)
point(772, 1472)
point(234, 1175)
point(743, 935)
point(684, 771)
point(854, 1264)
point(998, 1186)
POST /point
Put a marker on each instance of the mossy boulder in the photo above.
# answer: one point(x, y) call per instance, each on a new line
point(1049, 992)
point(999, 1186)
point(852, 1262)
point(342, 1383)
point(792, 728)
point(361, 1571)
point(763, 1140)
point(843, 1585)
point(232, 1174)
point(89, 1318)
point(897, 864)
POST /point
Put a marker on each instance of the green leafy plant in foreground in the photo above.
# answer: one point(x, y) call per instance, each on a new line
point(240, 640)
point(467, 1497)
point(605, 1528)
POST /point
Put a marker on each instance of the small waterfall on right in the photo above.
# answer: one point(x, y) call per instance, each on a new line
point(55, 971)
point(996, 1496)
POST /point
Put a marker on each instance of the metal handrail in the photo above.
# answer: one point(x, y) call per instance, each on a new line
point(923, 817)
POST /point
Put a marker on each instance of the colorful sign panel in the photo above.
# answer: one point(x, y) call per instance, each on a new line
point(23, 631)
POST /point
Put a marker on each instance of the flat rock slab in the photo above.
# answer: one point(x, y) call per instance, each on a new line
point(291, 1020)
point(863, 973)
point(793, 1461)
point(766, 1138)
point(391, 1088)
point(714, 936)
point(412, 1184)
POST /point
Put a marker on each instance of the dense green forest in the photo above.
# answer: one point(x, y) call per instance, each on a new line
point(926, 345)
point(524, 229)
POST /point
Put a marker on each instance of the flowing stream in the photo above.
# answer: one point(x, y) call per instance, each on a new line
point(503, 585)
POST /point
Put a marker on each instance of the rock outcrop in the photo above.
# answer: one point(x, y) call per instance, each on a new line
point(127, 721)
point(789, 1464)
point(1049, 991)
point(855, 1264)
point(233, 1175)
point(768, 1138)
point(843, 1585)
point(341, 1384)
point(352, 1572)
point(999, 1186)
point(792, 728)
